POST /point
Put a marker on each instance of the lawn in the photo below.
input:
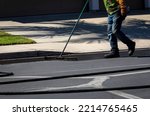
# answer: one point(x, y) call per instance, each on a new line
point(8, 39)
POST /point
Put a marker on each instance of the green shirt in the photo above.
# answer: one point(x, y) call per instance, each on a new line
point(111, 6)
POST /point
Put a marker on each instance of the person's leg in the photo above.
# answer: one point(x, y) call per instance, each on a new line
point(116, 29)
point(112, 39)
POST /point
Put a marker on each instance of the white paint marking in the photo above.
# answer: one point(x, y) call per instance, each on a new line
point(130, 73)
point(125, 95)
point(96, 83)
point(117, 75)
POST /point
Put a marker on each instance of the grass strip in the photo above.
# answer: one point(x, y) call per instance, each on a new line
point(8, 39)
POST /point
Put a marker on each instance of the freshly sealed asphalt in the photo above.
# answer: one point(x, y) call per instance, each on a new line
point(118, 78)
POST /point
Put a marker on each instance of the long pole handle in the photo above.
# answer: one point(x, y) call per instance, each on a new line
point(74, 28)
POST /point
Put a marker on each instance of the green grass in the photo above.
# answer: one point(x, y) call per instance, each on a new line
point(8, 39)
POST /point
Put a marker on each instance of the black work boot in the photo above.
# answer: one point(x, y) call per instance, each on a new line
point(131, 49)
point(112, 55)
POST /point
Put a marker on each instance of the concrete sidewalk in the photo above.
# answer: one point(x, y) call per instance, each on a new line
point(90, 35)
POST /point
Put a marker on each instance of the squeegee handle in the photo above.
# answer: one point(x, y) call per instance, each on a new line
point(74, 27)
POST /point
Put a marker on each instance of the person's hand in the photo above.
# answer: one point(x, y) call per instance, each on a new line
point(123, 14)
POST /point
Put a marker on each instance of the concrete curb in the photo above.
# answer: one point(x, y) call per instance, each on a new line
point(33, 56)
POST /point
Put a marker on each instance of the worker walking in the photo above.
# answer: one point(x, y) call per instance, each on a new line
point(117, 12)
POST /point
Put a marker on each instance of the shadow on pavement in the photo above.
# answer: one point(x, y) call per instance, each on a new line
point(134, 28)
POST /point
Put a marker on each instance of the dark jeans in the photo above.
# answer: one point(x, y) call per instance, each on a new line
point(114, 31)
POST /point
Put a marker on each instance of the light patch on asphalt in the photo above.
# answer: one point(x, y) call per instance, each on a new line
point(125, 95)
point(97, 82)
point(129, 73)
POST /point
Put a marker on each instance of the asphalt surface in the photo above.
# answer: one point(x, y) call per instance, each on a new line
point(38, 74)
point(78, 79)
